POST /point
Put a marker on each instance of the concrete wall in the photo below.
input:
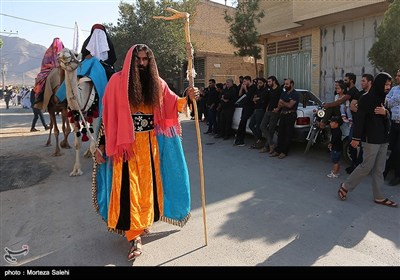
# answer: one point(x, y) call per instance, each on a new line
point(344, 48)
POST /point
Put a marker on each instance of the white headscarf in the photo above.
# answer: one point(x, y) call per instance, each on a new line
point(98, 45)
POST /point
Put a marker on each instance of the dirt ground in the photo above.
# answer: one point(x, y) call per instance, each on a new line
point(25, 161)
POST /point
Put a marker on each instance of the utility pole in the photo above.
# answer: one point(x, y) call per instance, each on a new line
point(3, 73)
point(3, 65)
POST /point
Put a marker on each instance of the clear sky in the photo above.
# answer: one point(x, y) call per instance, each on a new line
point(33, 19)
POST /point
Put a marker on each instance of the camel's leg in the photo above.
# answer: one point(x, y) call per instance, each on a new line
point(88, 153)
point(92, 147)
point(53, 122)
point(48, 143)
point(66, 128)
point(56, 135)
point(76, 171)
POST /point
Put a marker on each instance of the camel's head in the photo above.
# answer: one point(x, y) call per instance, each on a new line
point(68, 59)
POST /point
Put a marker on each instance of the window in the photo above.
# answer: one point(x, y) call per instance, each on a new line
point(287, 46)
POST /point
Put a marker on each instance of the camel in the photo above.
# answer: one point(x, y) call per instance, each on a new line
point(51, 102)
point(82, 100)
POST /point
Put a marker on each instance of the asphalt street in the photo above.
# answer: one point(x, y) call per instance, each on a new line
point(260, 211)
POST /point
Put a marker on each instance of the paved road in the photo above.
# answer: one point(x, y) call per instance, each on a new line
point(261, 211)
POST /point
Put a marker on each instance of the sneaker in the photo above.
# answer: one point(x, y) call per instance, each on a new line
point(274, 154)
point(264, 150)
point(332, 175)
point(47, 127)
point(34, 130)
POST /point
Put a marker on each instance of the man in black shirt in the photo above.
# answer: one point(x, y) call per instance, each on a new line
point(287, 105)
point(356, 155)
point(211, 105)
point(271, 117)
point(248, 89)
point(372, 128)
point(227, 107)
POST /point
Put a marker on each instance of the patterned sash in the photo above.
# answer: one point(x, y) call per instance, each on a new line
point(143, 122)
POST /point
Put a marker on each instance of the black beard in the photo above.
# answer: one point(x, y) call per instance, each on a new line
point(144, 76)
point(144, 80)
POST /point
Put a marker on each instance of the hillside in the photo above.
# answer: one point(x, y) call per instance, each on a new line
point(21, 61)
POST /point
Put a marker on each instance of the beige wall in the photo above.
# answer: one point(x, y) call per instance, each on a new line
point(209, 31)
point(209, 34)
point(284, 15)
point(221, 67)
point(303, 9)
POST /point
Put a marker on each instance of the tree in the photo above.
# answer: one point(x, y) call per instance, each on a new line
point(385, 54)
point(166, 38)
point(243, 32)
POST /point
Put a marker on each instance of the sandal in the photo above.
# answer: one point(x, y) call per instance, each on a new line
point(386, 202)
point(136, 249)
point(342, 192)
point(145, 232)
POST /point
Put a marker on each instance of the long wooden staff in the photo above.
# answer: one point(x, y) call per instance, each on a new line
point(190, 76)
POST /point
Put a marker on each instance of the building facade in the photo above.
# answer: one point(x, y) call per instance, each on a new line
point(317, 42)
point(214, 55)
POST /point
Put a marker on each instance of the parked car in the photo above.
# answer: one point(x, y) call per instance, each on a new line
point(308, 103)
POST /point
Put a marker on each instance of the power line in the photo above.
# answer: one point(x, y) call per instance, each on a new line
point(39, 22)
point(9, 32)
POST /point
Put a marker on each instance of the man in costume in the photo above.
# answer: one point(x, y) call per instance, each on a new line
point(99, 45)
point(49, 62)
point(140, 172)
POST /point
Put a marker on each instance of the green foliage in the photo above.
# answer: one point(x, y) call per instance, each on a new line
point(1, 43)
point(385, 54)
point(166, 38)
point(243, 32)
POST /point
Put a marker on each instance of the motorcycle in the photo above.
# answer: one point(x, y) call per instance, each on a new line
point(316, 133)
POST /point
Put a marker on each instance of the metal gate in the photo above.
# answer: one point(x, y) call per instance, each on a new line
point(291, 59)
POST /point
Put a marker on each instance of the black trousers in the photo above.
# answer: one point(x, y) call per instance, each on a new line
point(241, 131)
point(285, 132)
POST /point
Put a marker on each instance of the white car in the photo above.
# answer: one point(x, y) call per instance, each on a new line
point(308, 103)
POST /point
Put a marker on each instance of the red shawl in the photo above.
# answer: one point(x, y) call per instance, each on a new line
point(49, 62)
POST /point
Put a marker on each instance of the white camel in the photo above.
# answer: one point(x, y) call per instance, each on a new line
point(80, 97)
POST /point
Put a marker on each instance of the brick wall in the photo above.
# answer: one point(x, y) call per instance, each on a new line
point(209, 34)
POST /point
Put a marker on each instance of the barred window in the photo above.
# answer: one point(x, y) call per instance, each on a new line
point(287, 46)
